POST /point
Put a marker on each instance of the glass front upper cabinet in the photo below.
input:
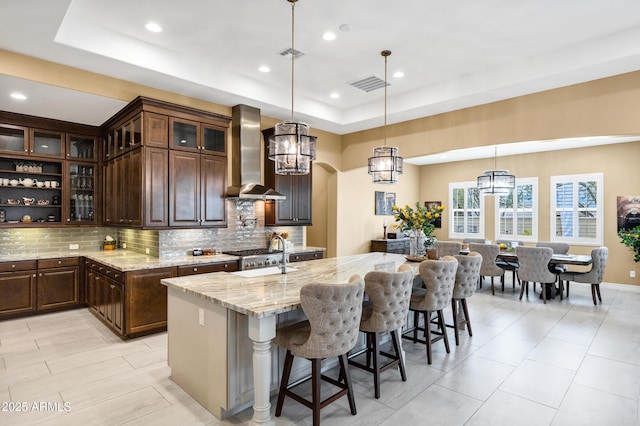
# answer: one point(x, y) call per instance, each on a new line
point(82, 147)
point(213, 139)
point(82, 193)
point(47, 143)
point(184, 134)
point(13, 139)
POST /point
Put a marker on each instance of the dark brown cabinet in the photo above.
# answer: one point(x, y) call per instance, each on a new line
point(18, 288)
point(400, 246)
point(197, 187)
point(311, 255)
point(58, 283)
point(295, 210)
point(105, 295)
point(205, 268)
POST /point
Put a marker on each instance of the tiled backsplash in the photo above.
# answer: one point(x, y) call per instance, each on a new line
point(245, 229)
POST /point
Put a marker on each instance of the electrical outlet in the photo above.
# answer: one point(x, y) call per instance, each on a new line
point(147, 250)
point(632, 274)
point(74, 246)
point(124, 245)
point(201, 316)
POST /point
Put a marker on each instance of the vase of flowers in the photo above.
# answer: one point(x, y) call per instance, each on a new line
point(418, 224)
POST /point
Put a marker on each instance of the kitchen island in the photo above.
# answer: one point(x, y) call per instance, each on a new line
point(210, 314)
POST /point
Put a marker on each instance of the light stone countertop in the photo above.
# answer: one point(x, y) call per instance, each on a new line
point(125, 260)
point(263, 296)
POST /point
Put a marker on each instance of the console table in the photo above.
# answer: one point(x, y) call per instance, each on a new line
point(400, 245)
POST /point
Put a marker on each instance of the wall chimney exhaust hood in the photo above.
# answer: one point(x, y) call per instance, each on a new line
point(245, 157)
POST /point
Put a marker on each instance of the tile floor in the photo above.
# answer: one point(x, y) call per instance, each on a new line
point(563, 363)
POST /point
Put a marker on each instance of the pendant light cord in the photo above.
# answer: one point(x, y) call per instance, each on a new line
point(386, 54)
point(293, 53)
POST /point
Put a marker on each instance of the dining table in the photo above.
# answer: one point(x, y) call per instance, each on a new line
point(557, 259)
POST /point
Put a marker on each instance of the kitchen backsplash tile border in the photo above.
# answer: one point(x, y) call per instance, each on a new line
point(246, 229)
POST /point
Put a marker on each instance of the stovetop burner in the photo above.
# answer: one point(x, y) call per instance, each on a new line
point(251, 252)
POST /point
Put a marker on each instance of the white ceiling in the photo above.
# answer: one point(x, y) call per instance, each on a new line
point(454, 54)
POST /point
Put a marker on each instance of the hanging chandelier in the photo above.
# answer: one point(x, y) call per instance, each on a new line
point(385, 166)
point(291, 147)
point(496, 182)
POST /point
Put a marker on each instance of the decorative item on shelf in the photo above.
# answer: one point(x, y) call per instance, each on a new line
point(26, 219)
point(631, 239)
point(291, 147)
point(385, 166)
point(55, 200)
point(3, 215)
point(496, 182)
point(418, 224)
point(109, 243)
point(13, 201)
point(51, 218)
point(28, 201)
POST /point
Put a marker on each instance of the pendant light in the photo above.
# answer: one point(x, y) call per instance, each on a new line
point(291, 147)
point(496, 182)
point(385, 166)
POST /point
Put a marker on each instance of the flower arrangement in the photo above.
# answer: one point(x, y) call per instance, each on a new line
point(419, 218)
point(631, 238)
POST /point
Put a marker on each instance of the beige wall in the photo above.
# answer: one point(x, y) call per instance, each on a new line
point(603, 107)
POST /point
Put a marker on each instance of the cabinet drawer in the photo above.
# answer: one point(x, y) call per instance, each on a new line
point(58, 262)
point(207, 267)
point(299, 257)
point(21, 265)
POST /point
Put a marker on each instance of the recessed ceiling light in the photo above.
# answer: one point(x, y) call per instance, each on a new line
point(153, 27)
point(334, 95)
point(18, 96)
point(329, 36)
point(398, 74)
point(264, 68)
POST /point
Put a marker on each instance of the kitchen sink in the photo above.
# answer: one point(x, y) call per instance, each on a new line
point(272, 270)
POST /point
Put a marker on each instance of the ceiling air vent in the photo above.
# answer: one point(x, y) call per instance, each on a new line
point(287, 53)
point(369, 84)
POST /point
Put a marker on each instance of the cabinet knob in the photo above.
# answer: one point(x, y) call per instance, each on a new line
point(34, 275)
point(13, 265)
point(116, 276)
point(195, 269)
point(112, 286)
point(68, 220)
point(59, 262)
point(226, 265)
point(108, 272)
point(40, 274)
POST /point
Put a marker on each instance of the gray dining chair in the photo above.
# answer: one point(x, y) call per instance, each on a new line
point(463, 288)
point(439, 278)
point(509, 265)
point(534, 267)
point(389, 294)
point(556, 268)
point(333, 313)
point(489, 268)
point(594, 276)
point(448, 248)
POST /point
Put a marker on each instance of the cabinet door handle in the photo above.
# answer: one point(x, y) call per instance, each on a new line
point(40, 274)
point(112, 286)
point(108, 272)
point(34, 275)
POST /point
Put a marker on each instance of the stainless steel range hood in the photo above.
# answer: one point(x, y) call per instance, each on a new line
point(245, 157)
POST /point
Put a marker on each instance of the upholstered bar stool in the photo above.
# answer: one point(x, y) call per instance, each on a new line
point(439, 277)
point(594, 276)
point(448, 248)
point(464, 287)
point(385, 312)
point(333, 312)
point(534, 267)
point(489, 268)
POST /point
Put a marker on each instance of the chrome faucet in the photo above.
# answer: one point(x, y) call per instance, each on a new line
point(284, 250)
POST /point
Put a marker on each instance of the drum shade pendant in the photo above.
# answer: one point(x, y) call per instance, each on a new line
point(291, 147)
point(385, 166)
point(496, 182)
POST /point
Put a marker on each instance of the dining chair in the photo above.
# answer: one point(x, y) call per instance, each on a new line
point(389, 294)
point(333, 313)
point(555, 268)
point(448, 248)
point(534, 267)
point(463, 288)
point(594, 276)
point(474, 240)
point(509, 265)
point(489, 268)
point(439, 277)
